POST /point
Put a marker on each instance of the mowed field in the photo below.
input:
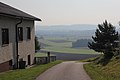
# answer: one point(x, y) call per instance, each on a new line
point(63, 45)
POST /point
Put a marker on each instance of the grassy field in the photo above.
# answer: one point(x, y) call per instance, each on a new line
point(42, 55)
point(63, 45)
point(55, 44)
point(109, 72)
point(70, 50)
point(27, 74)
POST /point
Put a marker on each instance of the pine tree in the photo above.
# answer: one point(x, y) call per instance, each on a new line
point(37, 44)
point(104, 39)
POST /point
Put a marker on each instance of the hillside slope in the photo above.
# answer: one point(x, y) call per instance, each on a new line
point(109, 72)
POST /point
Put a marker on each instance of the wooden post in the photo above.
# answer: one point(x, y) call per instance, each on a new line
point(48, 57)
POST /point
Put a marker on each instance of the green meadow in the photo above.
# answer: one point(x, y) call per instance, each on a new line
point(42, 55)
point(63, 45)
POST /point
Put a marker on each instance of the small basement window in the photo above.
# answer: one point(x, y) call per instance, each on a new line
point(20, 34)
point(28, 33)
point(5, 36)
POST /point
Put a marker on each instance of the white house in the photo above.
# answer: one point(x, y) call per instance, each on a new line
point(17, 34)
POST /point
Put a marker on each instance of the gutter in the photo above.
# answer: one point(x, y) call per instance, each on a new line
point(16, 38)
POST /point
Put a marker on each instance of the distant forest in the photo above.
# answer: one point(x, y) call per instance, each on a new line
point(81, 43)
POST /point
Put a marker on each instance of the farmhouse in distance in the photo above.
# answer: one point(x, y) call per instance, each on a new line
point(16, 37)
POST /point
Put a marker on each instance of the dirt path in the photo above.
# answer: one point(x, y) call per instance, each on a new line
point(69, 70)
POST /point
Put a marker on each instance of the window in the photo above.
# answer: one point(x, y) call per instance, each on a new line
point(5, 36)
point(20, 34)
point(28, 33)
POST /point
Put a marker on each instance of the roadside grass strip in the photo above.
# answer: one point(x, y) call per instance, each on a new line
point(109, 72)
point(27, 74)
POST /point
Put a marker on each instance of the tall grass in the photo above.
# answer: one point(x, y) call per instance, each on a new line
point(109, 72)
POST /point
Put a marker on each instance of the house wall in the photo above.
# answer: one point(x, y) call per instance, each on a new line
point(6, 51)
point(25, 47)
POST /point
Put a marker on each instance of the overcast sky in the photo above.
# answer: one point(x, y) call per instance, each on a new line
point(54, 12)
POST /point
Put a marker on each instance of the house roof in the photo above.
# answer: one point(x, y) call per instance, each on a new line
point(7, 10)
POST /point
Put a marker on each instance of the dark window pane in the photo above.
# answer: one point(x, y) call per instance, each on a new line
point(28, 33)
point(5, 36)
point(20, 33)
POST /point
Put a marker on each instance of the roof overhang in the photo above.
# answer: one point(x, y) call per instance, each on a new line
point(19, 17)
point(9, 11)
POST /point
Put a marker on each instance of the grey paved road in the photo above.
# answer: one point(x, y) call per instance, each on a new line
point(69, 70)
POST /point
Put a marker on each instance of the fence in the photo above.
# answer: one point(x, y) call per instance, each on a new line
point(44, 60)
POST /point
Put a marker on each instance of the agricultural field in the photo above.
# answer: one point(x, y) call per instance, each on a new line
point(62, 45)
point(42, 54)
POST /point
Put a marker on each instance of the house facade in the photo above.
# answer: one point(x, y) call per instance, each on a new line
point(17, 35)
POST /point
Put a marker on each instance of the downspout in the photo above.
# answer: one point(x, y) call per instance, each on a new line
point(16, 38)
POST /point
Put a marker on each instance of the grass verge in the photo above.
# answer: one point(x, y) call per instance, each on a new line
point(27, 74)
point(89, 59)
point(109, 72)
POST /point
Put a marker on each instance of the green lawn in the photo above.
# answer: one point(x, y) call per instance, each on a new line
point(109, 72)
point(27, 74)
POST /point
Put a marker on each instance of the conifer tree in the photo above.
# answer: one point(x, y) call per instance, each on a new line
point(37, 44)
point(104, 39)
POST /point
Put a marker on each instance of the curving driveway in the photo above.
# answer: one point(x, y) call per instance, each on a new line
point(69, 70)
